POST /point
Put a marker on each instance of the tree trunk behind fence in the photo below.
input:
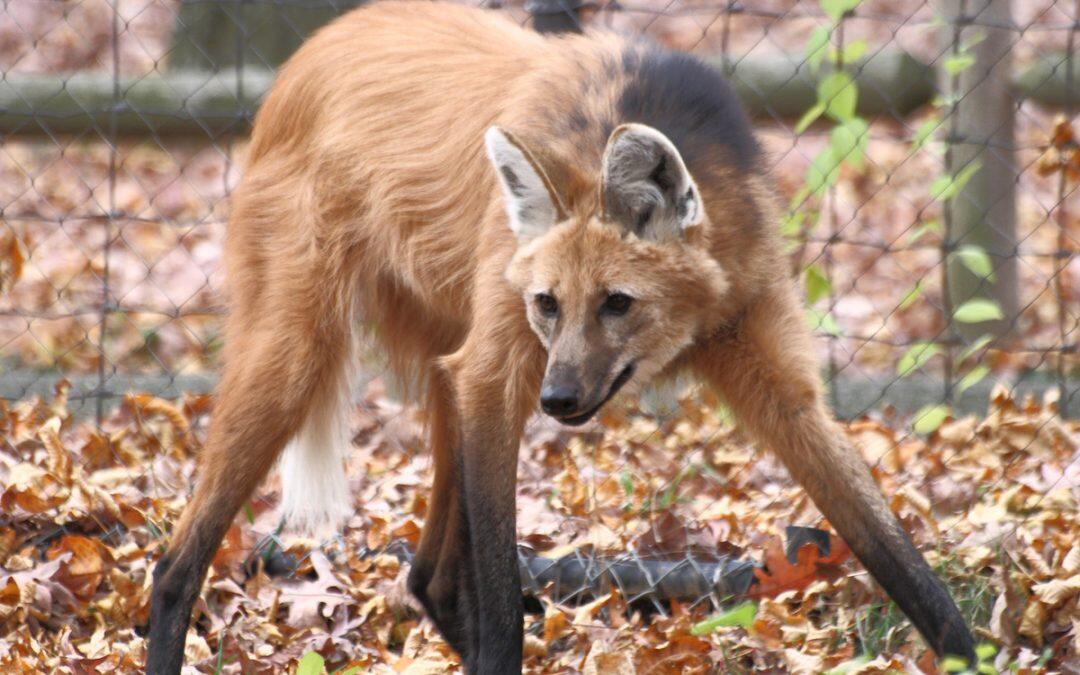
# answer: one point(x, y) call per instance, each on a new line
point(983, 213)
point(217, 35)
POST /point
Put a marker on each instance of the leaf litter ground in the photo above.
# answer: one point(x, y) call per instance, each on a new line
point(992, 502)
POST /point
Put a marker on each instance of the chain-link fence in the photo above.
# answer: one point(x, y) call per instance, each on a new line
point(927, 156)
point(122, 123)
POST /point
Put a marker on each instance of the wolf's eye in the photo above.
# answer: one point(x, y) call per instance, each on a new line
point(547, 305)
point(617, 304)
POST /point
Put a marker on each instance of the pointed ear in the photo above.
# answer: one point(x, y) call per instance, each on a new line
point(531, 202)
point(645, 186)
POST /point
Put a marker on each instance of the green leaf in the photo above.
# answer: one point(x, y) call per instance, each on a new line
point(351, 670)
point(853, 51)
point(985, 651)
point(958, 63)
point(977, 260)
point(947, 100)
point(311, 663)
point(627, 483)
point(741, 615)
point(978, 310)
point(973, 377)
point(724, 414)
point(947, 187)
point(809, 117)
point(911, 296)
point(967, 173)
point(916, 356)
point(799, 198)
point(929, 418)
point(822, 172)
point(849, 665)
point(954, 664)
point(974, 347)
point(817, 284)
point(839, 94)
point(822, 321)
point(938, 21)
point(849, 141)
point(973, 39)
point(836, 9)
point(666, 498)
point(792, 223)
point(925, 132)
point(850, 53)
point(817, 46)
point(940, 186)
point(924, 229)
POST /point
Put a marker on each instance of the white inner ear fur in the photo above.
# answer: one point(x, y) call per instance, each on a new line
point(646, 186)
point(529, 204)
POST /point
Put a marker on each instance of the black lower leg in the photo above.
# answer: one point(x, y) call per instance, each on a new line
point(178, 578)
point(494, 602)
point(439, 579)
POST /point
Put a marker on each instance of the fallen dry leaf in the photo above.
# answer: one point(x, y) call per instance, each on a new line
point(781, 574)
point(85, 568)
point(90, 509)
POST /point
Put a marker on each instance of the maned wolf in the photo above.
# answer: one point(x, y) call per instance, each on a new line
point(519, 219)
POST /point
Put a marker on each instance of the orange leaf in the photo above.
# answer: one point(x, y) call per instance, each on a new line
point(87, 566)
point(556, 624)
point(1062, 135)
point(32, 489)
point(11, 263)
point(779, 574)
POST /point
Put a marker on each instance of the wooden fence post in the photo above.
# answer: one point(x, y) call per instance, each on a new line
point(983, 212)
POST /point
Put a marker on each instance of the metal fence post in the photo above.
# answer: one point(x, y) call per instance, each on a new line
point(555, 16)
point(1064, 254)
point(983, 212)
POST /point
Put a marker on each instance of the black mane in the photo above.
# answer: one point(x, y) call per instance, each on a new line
point(689, 102)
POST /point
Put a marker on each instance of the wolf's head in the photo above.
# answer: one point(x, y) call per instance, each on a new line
point(617, 290)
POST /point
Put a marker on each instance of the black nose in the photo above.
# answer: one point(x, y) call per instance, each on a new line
point(559, 399)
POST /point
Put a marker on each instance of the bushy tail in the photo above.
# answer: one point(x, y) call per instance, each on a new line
point(315, 488)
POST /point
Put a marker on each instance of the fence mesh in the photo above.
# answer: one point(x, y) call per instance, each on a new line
point(926, 153)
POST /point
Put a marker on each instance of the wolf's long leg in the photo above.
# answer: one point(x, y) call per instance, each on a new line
point(496, 376)
point(288, 341)
point(439, 575)
point(769, 377)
